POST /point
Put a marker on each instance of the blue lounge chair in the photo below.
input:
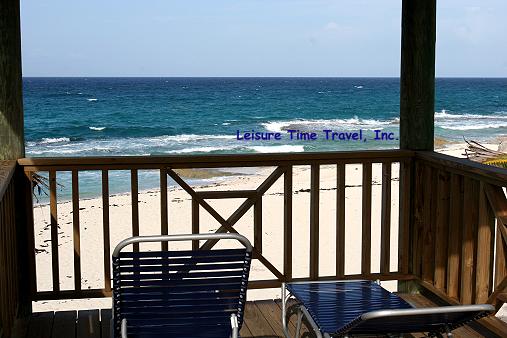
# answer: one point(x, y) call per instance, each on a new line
point(199, 293)
point(355, 308)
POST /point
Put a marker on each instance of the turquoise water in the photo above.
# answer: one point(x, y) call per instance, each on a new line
point(158, 116)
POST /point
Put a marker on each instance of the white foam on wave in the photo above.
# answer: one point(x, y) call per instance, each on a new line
point(358, 87)
point(278, 149)
point(97, 128)
point(188, 138)
point(92, 100)
point(444, 115)
point(199, 150)
point(476, 126)
point(317, 124)
point(50, 140)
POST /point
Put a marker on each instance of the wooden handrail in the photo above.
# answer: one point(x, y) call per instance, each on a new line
point(209, 161)
point(463, 166)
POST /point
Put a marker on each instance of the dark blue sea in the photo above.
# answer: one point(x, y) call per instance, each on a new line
point(158, 116)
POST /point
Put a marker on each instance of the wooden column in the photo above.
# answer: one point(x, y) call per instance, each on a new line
point(417, 79)
point(11, 102)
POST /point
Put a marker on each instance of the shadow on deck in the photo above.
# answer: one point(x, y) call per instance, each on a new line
point(262, 319)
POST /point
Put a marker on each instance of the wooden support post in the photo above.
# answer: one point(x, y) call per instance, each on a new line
point(12, 141)
point(417, 78)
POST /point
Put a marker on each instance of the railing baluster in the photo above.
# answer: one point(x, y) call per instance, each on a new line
point(135, 205)
point(366, 220)
point(287, 223)
point(76, 230)
point(164, 227)
point(385, 225)
point(485, 238)
point(258, 224)
point(441, 229)
point(427, 235)
point(470, 217)
point(314, 221)
point(340, 220)
point(195, 222)
point(455, 234)
point(54, 230)
point(105, 229)
point(405, 200)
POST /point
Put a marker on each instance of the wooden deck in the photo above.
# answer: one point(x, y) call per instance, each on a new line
point(262, 319)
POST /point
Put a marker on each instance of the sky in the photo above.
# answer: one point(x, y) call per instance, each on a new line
point(252, 38)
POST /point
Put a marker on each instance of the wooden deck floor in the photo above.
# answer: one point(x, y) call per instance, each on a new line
point(262, 319)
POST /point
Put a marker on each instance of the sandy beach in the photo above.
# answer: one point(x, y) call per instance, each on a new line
point(179, 208)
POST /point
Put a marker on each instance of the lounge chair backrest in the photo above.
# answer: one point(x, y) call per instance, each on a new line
point(168, 292)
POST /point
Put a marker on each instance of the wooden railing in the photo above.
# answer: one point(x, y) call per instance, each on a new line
point(281, 165)
point(451, 220)
point(459, 234)
point(9, 291)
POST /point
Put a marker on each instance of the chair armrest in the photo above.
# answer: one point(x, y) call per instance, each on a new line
point(234, 326)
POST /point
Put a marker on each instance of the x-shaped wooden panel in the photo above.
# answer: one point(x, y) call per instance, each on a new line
point(227, 225)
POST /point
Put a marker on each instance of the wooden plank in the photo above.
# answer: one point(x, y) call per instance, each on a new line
point(385, 219)
point(105, 230)
point(417, 77)
point(273, 314)
point(64, 324)
point(470, 217)
point(258, 224)
point(134, 194)
point(40, 325)
point(105, 323)
point(428, 219)
point(464, 167)
point(485, 247)
point(164, 218)
point(195, 222)
point(20, 328)
point(27, 273)
point(405, 206)
point(76, 230)
point(53, 206)
point(366, 220)
point(245, 331)
point(287, 223)
point(314, 221)
point(256, 322)
point(213, 160)
point(88, 324)
point(500, 264)
point(227, 194)
point(441, 229)
point(455, 236)
point(340, 220)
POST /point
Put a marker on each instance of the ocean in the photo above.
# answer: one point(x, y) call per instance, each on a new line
point(167, 116)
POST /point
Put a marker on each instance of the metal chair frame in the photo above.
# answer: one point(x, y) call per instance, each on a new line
point(302, 313)
point(235, 323)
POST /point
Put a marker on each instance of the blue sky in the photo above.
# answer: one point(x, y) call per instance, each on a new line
point(251, 38)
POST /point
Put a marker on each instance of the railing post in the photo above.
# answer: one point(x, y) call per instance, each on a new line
point(25, 241)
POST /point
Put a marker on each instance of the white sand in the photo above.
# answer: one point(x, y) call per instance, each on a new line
point(180, 222)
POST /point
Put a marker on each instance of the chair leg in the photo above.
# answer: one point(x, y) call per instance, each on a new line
point(124, 328)
point(234, 326)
